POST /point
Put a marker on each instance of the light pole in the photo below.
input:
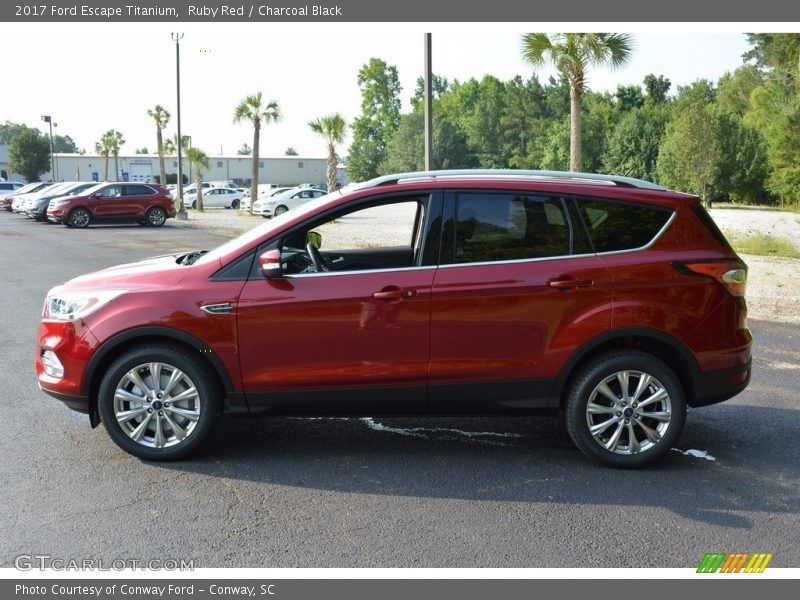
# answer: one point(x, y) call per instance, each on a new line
point(49, 120)
point(428, 104)
point(177, 37)
point(55, 158)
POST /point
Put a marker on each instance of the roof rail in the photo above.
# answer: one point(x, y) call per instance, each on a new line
point(511, 173)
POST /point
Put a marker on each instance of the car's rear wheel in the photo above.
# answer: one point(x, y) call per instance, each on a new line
point(80, 218)
point(279, 210)
point(156, 216)
point(157, 402)
point(625, 409)
point(235, 204)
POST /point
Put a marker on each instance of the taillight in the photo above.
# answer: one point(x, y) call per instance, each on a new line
point(730, 273)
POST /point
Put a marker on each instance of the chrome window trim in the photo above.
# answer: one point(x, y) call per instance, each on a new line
point(359, 272)
point(648, 244)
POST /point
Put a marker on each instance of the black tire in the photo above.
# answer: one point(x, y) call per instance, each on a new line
point(207, 402)
point(235, 205)
point(194, 204)
point(80, 218)
point(625, 418)
point(156, 217)
point(279, 210)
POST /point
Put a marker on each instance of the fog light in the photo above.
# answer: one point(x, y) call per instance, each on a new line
point(52, 366)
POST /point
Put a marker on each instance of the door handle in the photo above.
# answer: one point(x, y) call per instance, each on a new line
point(394, 294)
point(566, 284)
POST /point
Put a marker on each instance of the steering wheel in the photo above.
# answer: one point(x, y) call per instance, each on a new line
point(316, 258)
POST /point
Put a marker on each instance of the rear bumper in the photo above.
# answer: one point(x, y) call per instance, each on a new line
point(720, 384)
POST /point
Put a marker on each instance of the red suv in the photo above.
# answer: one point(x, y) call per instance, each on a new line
point(145, 203)
point(442, 293)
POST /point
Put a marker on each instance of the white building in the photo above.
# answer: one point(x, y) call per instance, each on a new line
point(286, 170)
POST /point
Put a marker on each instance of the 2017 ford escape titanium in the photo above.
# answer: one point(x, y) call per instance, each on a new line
point(438, 293)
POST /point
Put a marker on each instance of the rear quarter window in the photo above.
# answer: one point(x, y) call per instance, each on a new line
point(615, 226)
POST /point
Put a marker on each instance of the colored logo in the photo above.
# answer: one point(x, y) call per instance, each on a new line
point(738, 562)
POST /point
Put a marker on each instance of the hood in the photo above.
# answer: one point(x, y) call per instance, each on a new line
point(155, 272)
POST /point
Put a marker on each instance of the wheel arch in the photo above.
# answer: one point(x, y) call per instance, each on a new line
point(661, 345)
point(116, 346)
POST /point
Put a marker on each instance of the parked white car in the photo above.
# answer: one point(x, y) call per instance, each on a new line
point(215, 197)
point(267, 192)
point(280, 203)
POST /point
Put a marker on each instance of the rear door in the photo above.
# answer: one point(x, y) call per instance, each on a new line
point(518, 289)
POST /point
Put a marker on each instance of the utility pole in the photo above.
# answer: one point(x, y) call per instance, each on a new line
point(428, 105)
point(177, 37)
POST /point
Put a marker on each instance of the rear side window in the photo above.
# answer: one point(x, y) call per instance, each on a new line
point(495, 227)
point(615, 226)
point(138, 190)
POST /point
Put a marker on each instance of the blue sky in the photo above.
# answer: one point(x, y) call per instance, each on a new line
point(93, 77)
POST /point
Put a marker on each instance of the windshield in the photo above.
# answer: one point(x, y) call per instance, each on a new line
point(261, 231)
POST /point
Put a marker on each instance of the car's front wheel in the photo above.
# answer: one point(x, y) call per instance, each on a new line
point(157, 402)
point(625, 409)
point(279, 210)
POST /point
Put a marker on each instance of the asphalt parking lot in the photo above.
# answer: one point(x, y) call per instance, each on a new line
point(384, 492)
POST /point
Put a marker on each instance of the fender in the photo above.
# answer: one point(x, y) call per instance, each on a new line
point(163, 332)
point(614, 334)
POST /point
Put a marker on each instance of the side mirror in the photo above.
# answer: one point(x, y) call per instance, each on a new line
point(270, 262)
point(314, 237)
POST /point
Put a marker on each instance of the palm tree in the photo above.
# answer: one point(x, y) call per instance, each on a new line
point(572, 54)
point(331, 128)
point(114, 141)
point(161, 116)
point(103, 148)
point(199, 160)
point(252, 109)
point(171, 144)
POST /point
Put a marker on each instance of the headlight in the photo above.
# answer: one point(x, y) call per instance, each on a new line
point(69, 307)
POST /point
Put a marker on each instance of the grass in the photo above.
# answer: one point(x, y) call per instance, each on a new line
point(765, 245)
point(790, 208)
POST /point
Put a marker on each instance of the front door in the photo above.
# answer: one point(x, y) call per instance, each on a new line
point(351, 339)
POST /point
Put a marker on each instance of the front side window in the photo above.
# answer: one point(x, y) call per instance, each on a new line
point(113, 191)
point(496, 227)
point(378, 236)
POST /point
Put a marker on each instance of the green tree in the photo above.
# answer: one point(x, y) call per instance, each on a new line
point(572, 54)
point(143, 150)
point(331, 128)
point(633, 144)
point(114, 141)
point(245, 150)
point(160, 116)
point(171, 144)
point(198, 160)
point(406, 150)
point(29, 154)
point(64, 144)
point(734, 90)
point(103, 148)
point(775, 109)
point(691, 154)
point(656, 88)
point(380, 118)
point(290, 151)
point(253, 109)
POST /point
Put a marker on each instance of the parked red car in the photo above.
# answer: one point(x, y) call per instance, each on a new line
point(145, 203)
point(443, 293)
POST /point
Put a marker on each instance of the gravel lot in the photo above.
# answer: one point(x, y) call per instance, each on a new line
point(773, 291)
